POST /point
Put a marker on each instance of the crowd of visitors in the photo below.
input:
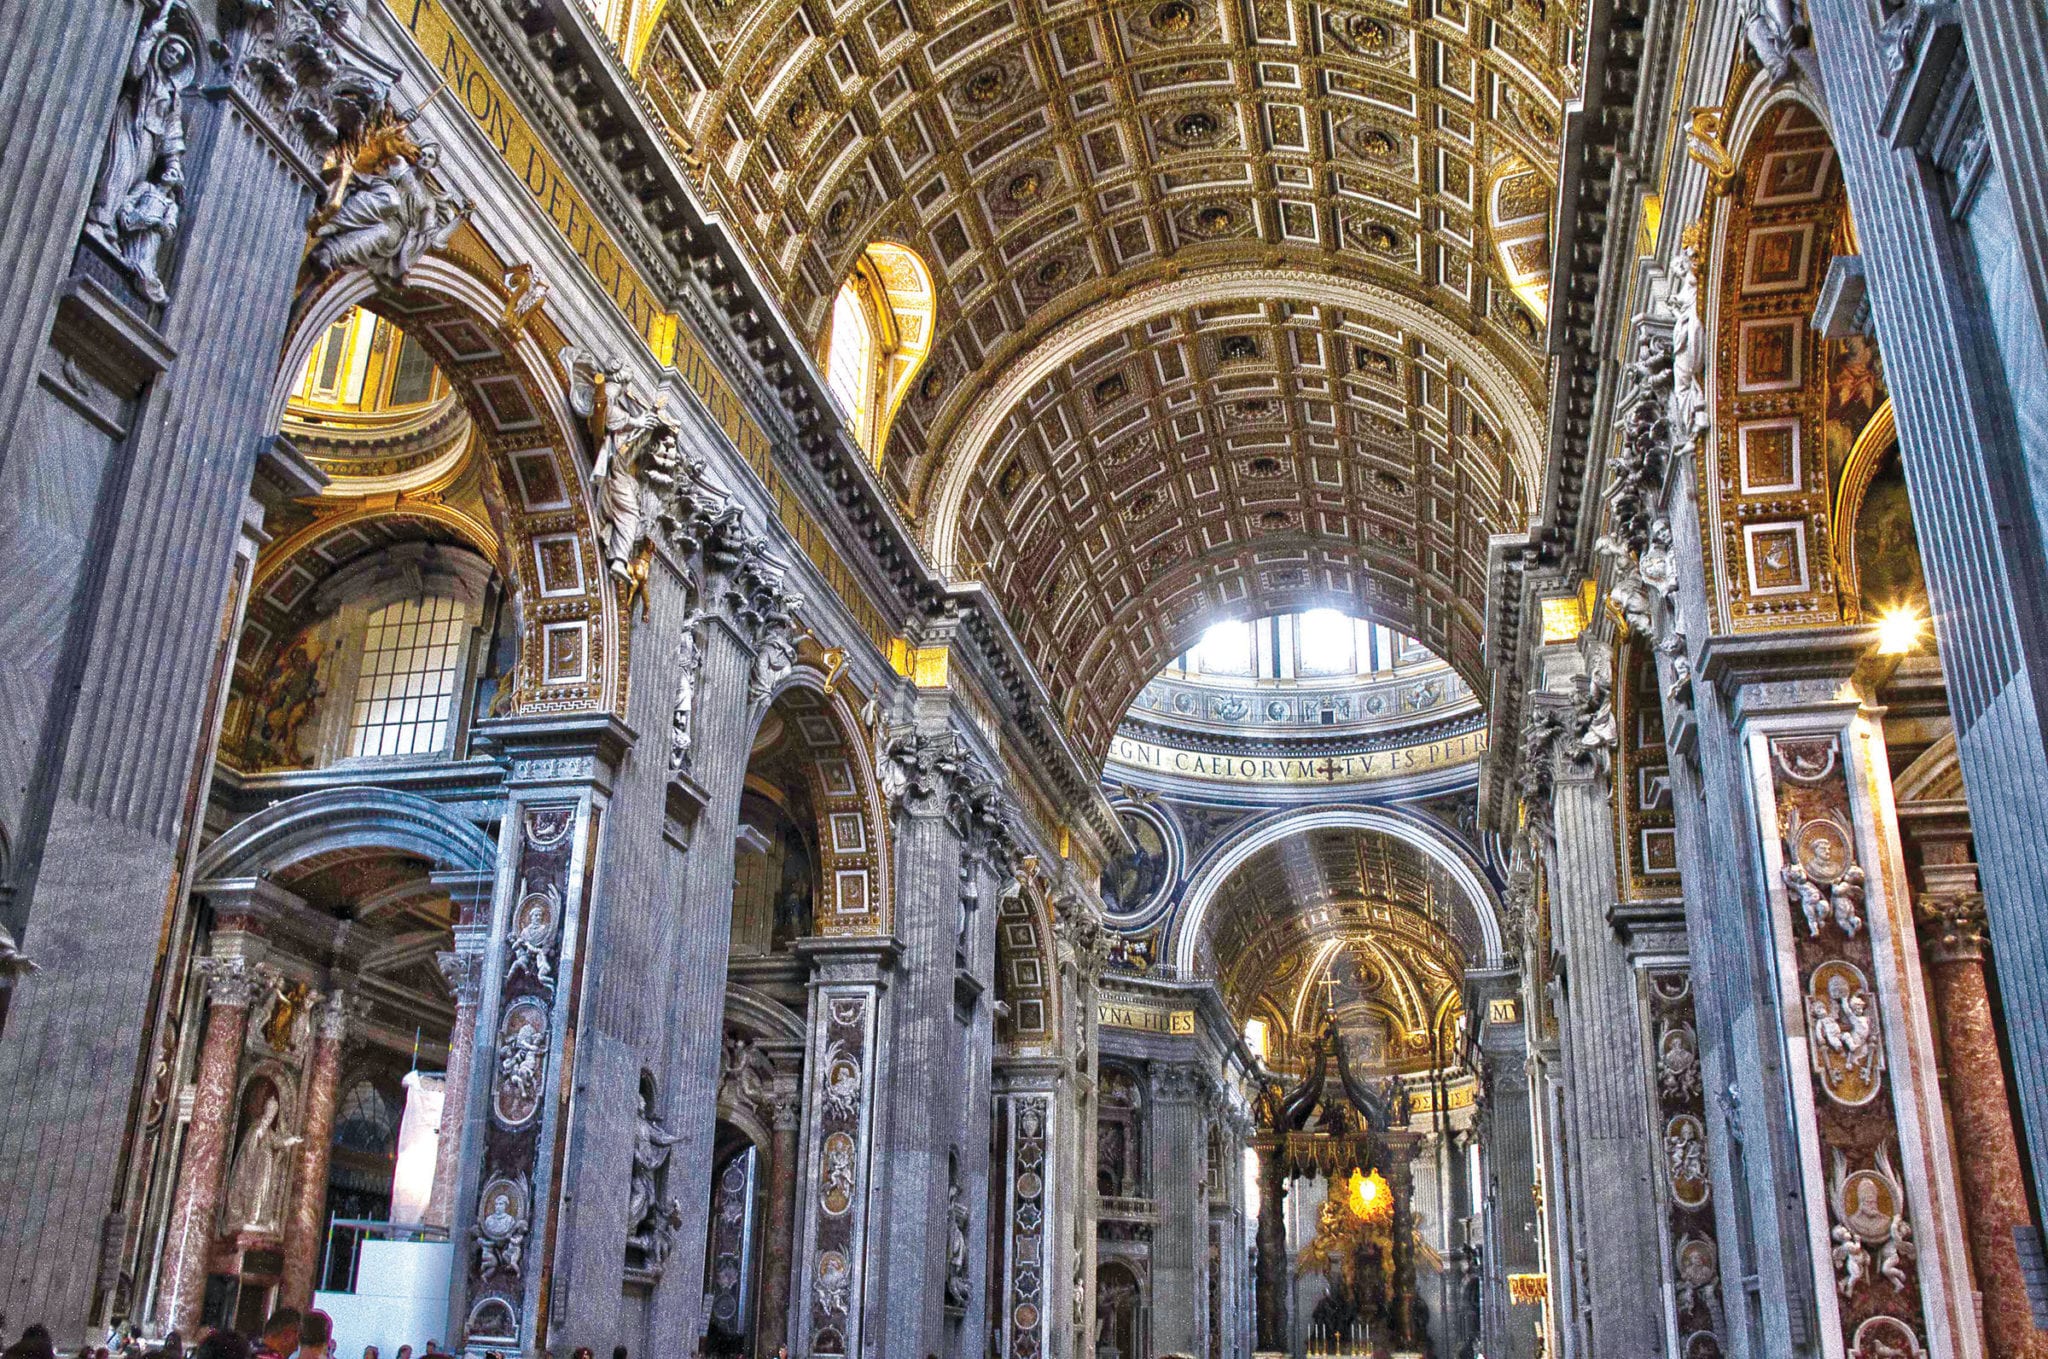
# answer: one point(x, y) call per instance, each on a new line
point(289, 1334)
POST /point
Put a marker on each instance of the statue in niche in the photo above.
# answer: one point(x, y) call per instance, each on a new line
point(385, 212)
point(654, 1222)
point(1688, 351)
point(956, 1247)
point(284, 703)
point(689, 665)
point(253, 1186)
point(637, 456)
point(134, 210)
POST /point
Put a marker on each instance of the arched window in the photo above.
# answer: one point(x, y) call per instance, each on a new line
point(880, 336)
point(405, 685)
point(850, 365)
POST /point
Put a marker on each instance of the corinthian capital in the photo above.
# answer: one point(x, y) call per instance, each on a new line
point(230, 981)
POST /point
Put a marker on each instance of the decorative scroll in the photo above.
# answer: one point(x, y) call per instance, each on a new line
point(1680, 1101)
point(836, 1255)
point(1025, 1320)
point(502, 1254)
point(1870, 1232)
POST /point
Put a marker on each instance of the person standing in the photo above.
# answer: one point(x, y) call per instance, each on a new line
point(280, 1334)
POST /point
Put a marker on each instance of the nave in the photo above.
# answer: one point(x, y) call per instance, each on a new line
point(1107, 679)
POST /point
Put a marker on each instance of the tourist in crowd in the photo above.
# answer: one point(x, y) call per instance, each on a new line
point(224, 1345)
point(34, 1344)
point(280, 1334)
point(370, 1352)
point(316, 1336)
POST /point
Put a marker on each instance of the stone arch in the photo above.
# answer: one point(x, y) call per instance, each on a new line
point(342, 821)
point(509, 380)
point(1459, 865)
point(1787, 403)
point(1026, 966)
point(854, 860)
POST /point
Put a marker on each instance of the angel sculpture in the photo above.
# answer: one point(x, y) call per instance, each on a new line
point(1628, 594)
point(385, 213)
point(1899, 1251)
point(637, 456)
point(1813, 903)
point(1847, 899)
point(1852, 1261)
point(1657, 566)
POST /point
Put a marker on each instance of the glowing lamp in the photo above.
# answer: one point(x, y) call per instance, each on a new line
point(1898, 632)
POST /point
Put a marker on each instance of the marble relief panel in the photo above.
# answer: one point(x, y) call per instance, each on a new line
point(835, 1256)
point(1873, 1254)
point(503, 1253)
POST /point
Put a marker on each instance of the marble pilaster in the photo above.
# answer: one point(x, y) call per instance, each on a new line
point(850, 996)
point(1954, 949)
point(1177, 1152)
point(231, 986)
point(306, 1218)
point(1940, 148)
point(778, 1243)
point(921, 1065)
point(1848, 995)
point(1610, 1184)
point(515, 1117)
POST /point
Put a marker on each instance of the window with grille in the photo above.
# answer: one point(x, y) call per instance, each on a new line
point(405, 693)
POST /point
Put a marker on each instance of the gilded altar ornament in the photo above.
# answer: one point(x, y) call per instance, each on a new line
point(135, 204)
point(1703, 144)
point(525, 290)
point(1842, 1030)
point(384, 212)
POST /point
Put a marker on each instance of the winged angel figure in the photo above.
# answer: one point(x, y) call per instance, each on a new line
point(637, 457)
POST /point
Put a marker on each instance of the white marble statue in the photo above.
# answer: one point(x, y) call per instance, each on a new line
point(134, 210)
point(390, 212)
point(252, 1191)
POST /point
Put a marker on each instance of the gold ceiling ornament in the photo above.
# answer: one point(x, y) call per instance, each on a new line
point(1048, 167)
point(1529, 1289)
point(1703, 143)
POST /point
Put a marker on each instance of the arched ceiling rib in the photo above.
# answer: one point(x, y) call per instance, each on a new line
point(1347, 205)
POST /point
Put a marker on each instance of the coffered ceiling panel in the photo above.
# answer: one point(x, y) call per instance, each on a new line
point(1238, 300)
point(1363, 908)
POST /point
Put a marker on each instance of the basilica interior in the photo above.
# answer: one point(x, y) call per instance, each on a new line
point(1089, 679)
